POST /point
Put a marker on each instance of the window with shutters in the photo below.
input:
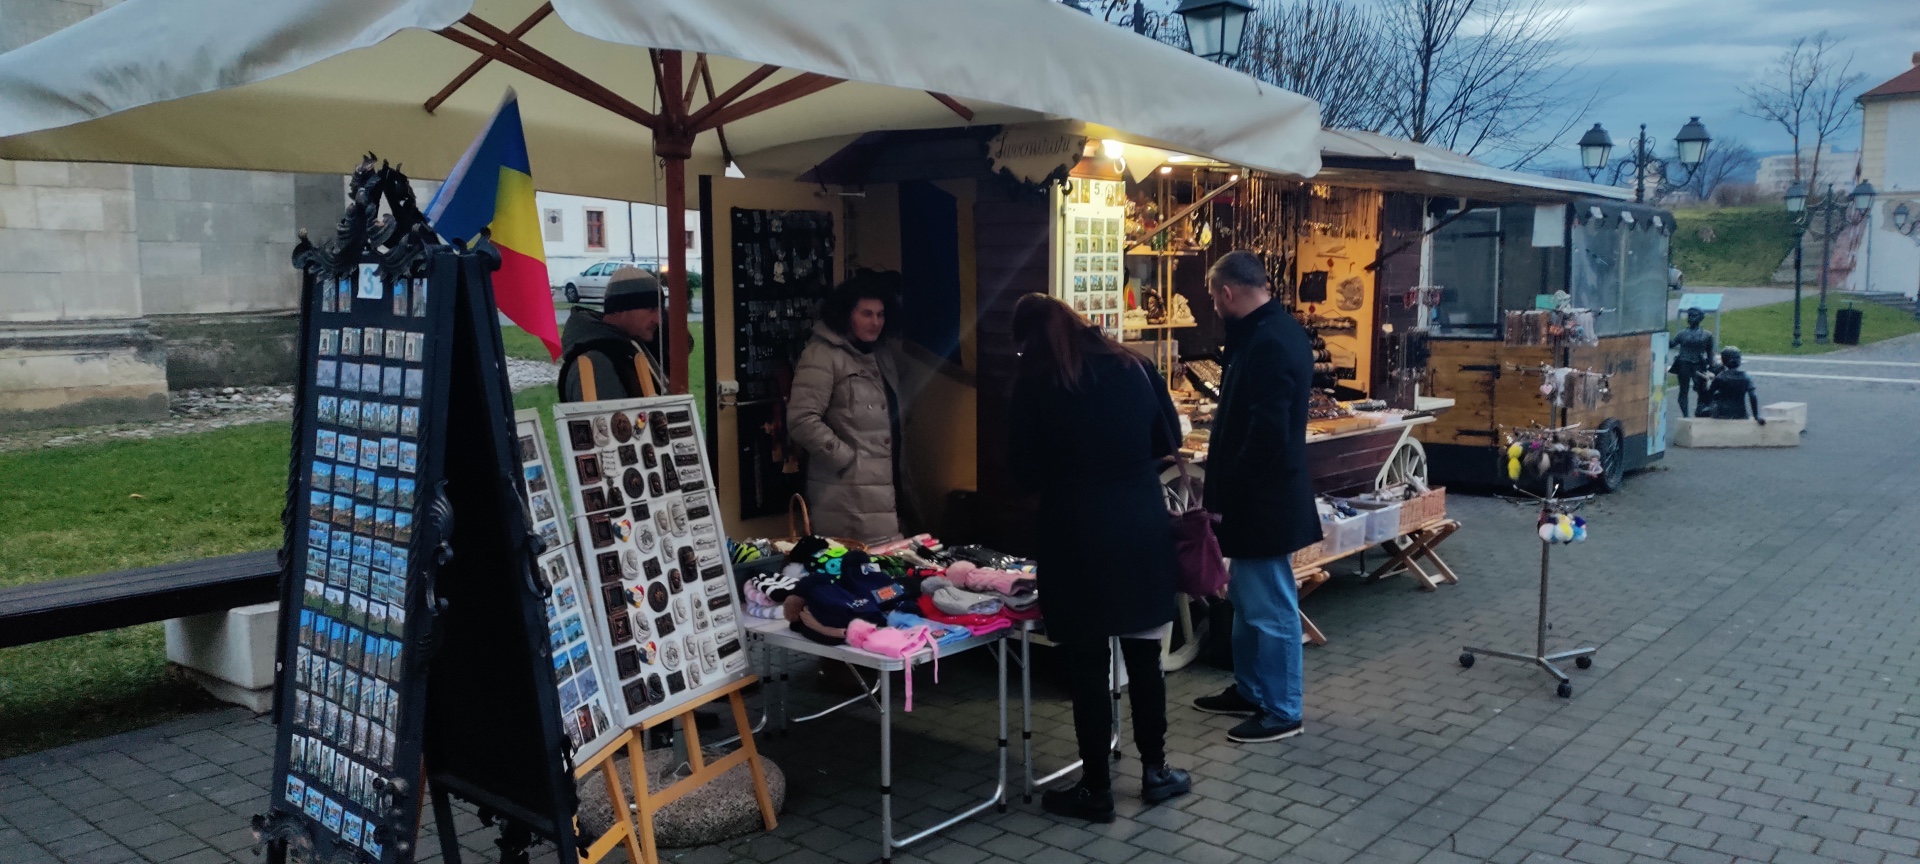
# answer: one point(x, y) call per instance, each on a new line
point(597, 230)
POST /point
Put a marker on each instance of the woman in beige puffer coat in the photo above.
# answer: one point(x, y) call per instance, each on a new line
point(845, 411)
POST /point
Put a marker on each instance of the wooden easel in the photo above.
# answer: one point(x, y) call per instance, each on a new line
point(647, 802)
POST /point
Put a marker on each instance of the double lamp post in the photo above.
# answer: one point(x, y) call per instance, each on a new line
point(1827, 206)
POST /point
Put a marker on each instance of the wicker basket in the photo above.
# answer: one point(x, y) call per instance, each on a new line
point(1423, 509)
point(800, 525)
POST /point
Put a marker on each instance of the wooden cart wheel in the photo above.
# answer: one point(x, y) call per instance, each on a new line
point(1191, 631)
point(1178, 498)
point(1408, 462)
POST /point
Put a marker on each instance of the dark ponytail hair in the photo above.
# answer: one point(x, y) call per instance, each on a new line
point(1055, 342)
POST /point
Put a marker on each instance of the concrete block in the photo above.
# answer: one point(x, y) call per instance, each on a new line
point(119, 209)
point(17, 207)
point(112, 252)
point(100, 175)
point(1699, 432)
point(71, 209)
point(234, 187)
point(37, 251)
point(6, 172)
point(1791, 413)
point(235, 646)
point(170, 259)
point(41, 173)
point(173, 184)
point(100, 295)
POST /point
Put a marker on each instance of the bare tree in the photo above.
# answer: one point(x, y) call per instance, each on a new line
point(1482, 76)
point(1726, 161)
point(1804, 93)
point(1324, 50)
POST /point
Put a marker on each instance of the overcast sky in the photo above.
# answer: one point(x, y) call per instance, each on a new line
point(1664, 60)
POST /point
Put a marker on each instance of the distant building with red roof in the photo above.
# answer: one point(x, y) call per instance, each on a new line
point(1890, 159)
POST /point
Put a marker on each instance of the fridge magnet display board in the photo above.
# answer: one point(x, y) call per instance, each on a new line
point(579, 661)
point(652, 544)
point(383, 589)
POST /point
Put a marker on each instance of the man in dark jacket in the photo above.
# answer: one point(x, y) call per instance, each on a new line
point(1259, 487)
point(607, 354)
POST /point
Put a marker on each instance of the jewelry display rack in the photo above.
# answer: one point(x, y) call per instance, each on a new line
point(1582, 657)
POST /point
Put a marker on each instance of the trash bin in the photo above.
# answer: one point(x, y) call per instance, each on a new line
point(1846, 326)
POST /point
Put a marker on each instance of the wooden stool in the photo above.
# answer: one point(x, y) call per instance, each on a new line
point(1404, 554)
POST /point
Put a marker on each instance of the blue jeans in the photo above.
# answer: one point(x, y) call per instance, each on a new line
point(1266, 635)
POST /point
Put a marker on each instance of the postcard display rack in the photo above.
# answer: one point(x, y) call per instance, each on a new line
point(1092, 256)
point(782, 270)
point(649, 533)
point(413, 649)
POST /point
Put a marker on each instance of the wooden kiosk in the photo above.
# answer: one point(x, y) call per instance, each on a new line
point(1495, 260)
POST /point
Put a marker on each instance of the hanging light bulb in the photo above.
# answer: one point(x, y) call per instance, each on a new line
point(1112, 149)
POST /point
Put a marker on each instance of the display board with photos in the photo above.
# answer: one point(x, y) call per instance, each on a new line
point(367, 441)
point(400, 623)
point(1093, 250)
point(783, 267)
point(649, 531)
point(572, 627)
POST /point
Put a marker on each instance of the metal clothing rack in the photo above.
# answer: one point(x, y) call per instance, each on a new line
point(1582, 657)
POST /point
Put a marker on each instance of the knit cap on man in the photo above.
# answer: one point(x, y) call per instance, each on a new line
point(632, 288)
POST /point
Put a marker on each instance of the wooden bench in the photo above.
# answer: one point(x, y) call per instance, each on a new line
point(109, 601)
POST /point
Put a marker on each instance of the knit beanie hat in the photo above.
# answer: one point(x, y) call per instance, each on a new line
point(631, 288)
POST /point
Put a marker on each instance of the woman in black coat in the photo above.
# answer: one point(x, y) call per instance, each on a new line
point(1092, 427)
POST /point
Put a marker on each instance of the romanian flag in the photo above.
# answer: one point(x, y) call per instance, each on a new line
point(492, 187)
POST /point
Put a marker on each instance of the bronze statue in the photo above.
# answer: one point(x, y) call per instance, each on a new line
point(1692, 355)
point(1731, 394)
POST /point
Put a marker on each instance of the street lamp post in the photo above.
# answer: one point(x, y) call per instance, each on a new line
point(1850, 208)
point(1690, 147)
point(1907, 223)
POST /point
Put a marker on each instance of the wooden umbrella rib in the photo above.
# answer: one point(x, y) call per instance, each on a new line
point(693, 79)
point(720, 132)
point(716, 104)
point(474, 68)
point(797, 87)
point(542, 74)
point(562, 70)
point(954, 105)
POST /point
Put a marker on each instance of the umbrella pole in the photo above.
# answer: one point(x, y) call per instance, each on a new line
point(679, 341)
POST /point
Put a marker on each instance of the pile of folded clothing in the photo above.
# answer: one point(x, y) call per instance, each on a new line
point(971, 590)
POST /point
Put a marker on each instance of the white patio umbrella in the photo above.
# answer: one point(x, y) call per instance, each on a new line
point(609, 86)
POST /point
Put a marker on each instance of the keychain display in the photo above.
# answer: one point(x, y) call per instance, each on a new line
point(1537, 454)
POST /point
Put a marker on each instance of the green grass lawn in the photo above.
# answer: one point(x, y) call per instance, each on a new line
point(95, 508)
point(75, 511)
point(1769, 329)
point(1747, 246)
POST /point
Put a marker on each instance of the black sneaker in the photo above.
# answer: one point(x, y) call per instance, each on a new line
point(1264, 727)
point(1162, 783)
point(1079, 802)
point(1229, 702)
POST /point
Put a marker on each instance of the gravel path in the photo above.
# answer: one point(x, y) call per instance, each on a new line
point(217, 408)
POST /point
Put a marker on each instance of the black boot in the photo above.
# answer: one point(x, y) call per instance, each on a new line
point(1163, 782)
point(1079, 802)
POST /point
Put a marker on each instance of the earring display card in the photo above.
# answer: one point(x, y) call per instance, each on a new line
point(351, 704)
point(654, 551)
point(783, 268)
point(580, 664)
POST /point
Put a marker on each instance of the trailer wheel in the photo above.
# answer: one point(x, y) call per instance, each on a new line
point(1612, 445)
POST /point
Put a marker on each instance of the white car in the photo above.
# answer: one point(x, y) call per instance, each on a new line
point(591, 284)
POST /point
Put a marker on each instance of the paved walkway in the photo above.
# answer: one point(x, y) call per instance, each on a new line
point(1756, 698)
